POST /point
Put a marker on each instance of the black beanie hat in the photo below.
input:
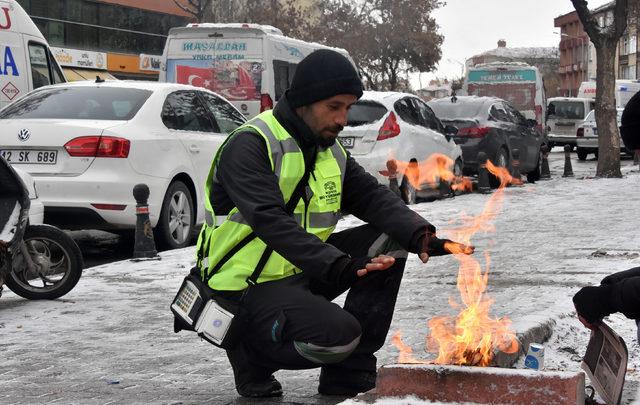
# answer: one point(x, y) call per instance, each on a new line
point(323, 74)
point(630, 124)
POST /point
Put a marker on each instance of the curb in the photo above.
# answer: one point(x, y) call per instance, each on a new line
point(538, 333)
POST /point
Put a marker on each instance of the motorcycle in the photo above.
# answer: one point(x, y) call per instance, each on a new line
point(37, 261)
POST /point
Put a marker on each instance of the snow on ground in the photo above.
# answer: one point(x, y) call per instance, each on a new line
point(111, 338)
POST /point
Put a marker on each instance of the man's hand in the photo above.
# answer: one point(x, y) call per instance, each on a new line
point(377, 263)
point(434, 246)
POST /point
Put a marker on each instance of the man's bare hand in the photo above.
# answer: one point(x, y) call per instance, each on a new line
point(378, 263)
point(587, 324)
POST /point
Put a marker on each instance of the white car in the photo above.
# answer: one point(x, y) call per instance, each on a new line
point(87, 144)
point(587, 135)
point(392, 125)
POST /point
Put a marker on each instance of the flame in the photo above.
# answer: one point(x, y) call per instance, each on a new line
point(503, 174)
point(472, 336)
point(432, 171)
point(406, 353)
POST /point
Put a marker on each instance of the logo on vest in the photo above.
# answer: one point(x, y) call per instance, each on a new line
point(331, 193)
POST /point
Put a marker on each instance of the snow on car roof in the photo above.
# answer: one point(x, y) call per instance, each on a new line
point(129, 84)
point(386, 98)
point(465, 107)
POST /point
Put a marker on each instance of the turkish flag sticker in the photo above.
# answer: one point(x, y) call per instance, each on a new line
point(195, 76)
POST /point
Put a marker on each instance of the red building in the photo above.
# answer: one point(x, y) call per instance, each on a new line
point(574, 53)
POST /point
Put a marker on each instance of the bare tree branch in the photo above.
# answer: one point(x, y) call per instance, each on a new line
point(588, 20)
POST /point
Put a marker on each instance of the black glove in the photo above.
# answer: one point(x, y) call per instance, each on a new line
point(594, 303)
point(434, 246)
point(615, 277)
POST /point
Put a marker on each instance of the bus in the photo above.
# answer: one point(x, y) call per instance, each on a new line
point(251, 65)
point(519, 83)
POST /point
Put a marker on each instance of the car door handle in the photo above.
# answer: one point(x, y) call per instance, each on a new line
point(194, 149)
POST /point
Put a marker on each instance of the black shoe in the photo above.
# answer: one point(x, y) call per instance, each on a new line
point(345, 382)
point(261, 389)
point(251, 380)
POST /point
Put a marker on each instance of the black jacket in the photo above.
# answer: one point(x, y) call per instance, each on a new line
point(244, 179)
point(625, 292)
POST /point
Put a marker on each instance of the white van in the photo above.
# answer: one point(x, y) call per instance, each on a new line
point(26, 62)
point(251, 65)
point(625, 89)
point(519, 83)
point(564, 115)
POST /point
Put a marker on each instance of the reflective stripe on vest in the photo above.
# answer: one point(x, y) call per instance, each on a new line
point(219, 246)
point(278, 149)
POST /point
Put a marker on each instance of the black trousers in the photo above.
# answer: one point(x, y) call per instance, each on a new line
point(297, 310)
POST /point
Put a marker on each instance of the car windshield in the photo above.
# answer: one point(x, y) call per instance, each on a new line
point(84, 103)
point(365, 112)
point(566, 109)
point(462, 109)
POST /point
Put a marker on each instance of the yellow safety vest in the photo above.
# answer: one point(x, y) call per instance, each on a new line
point(228, 252)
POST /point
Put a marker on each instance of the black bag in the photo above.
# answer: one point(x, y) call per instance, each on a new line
point(197, 308)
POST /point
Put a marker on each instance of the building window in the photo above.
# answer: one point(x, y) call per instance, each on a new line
point(91, 25)
point(627, 72)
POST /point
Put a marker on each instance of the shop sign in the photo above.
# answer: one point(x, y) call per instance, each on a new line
point(150, 62)
point(80, 58)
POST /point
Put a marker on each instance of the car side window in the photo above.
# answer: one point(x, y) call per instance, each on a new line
point(407, 111)
point(226, 116)
point(516, 116)
point(498, 112)
point(428, 118)
point(183, 111)
point(283, 75)
point(40, 72)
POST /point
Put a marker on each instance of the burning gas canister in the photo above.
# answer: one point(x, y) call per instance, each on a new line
point(535, 357)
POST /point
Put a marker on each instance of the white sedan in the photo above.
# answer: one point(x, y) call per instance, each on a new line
point(400, 126)
point(87, 144)
point(587, 135)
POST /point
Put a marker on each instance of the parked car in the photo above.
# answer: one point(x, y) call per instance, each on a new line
point(391, 125)
point(564, 115)
point(587, 135)
point(493, 126)
point(87, 144)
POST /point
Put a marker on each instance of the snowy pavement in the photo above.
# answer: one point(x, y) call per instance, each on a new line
point(110, 340)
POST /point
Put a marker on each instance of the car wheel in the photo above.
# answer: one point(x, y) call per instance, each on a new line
point(407, 192)
point(501, 160)
point(534, 175)
point(582, 154)
point(177, 217)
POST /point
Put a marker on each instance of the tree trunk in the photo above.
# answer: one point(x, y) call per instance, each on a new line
point(608, 135)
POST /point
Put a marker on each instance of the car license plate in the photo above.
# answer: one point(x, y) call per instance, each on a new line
point(347, 141)
point(41, 157)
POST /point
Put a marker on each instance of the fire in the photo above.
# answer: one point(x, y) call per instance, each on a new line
point(431, 171)
point(406, 353)
point(471, 337)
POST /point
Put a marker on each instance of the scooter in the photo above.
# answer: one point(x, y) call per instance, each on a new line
point(37, 261)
